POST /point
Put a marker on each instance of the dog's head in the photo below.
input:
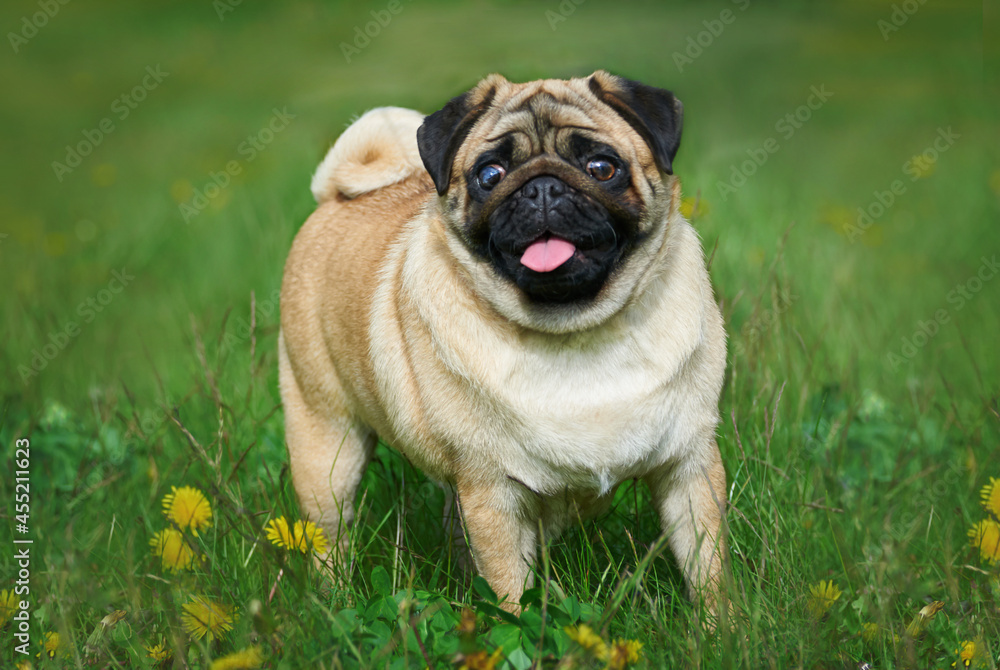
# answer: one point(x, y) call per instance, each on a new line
point(555, 193)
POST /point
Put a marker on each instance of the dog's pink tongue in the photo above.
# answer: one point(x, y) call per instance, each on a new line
point(547, 254)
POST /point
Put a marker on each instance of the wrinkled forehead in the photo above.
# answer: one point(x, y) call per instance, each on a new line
point(540, 108)
point(542, 116)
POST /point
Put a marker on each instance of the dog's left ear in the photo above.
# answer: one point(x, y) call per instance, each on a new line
point(655, 113)
point(443, 132)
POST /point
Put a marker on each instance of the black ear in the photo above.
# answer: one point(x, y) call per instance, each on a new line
point(443, 132)
point(654, 113)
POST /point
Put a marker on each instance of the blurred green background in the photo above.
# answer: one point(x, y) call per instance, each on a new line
point(815, 305)
point(227, 70)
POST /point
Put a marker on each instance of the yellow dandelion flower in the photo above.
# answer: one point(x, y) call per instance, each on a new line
point(8, 606)
point(53, 645)
point(303, 535)
point(279, 533)
point(244, 659)
point(985, 536)
point(480, 660)
point(991, 497)
point(870, 631)
point(624, 653)
point(206, 618)
point(585, 636)
point(158, 652)
point(821, 598)
point(188, 508)
point(172, 549)
point(23, 665)
point(967, 655)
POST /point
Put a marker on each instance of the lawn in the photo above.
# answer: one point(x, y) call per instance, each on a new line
point(839, 162)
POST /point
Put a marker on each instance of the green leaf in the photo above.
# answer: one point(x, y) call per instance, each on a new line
point(381, 608)
point(572, 607)
point(444, 618)
point(483, 590)
point(389, 610)
point(531, 624)
point(531, 619)
point(444, 645)
point(494, 611)
point(381, 631)
point(411, 641)
point(560, 639)
point(507, 636)
point(346, 621)
point(558, 616)
point(532, 596)
point(589, 613)
point(519, 659)
point(381, 582)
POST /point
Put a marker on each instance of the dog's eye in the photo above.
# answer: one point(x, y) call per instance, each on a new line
point(601, 169)
point(489, 176)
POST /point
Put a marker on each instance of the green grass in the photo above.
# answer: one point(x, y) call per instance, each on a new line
point(844, 464)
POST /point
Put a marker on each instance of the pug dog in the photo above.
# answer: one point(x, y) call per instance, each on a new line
point(506, 292)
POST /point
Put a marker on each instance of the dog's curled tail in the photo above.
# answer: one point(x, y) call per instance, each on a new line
point(377, 150)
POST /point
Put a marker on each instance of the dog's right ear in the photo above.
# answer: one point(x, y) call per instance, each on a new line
point(655, 113)
point(443, 132)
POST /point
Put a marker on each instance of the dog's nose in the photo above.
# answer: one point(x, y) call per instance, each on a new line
point(542, 190)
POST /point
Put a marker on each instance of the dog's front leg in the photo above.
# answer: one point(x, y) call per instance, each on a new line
point(691, 499)
point(503, 533)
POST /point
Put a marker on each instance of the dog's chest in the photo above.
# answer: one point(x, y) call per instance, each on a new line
point(563, 417)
